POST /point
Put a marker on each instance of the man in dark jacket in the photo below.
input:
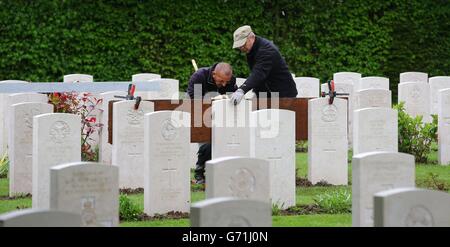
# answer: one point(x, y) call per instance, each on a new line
point(269, 71)
point(215, 79)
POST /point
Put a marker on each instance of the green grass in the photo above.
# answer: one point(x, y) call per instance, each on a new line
point(4, 187)
point(11, 205)
point(321, 220)
point(305, 196)
point(318, 220)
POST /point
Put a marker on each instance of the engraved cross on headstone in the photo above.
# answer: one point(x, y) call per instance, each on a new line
point(169, 172)
point(234, 141)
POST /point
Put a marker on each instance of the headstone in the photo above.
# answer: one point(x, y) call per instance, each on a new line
point(15, 98)
point(88, 189)
point(105, 148)
point(437, 83)
point(230, 128)
point(3, 116)
point(128, 142)
point(413, 77)
point(410, 207)
point(374, 172)
point(348, 77)
point(145, 77)
point(416, 96)
point(20, 145)
point(39, 218)
point(307, 87)
point(94, 137)
point(56, 140)
point(444, 127)
point(375, 129)
point(349, 89)
point(169, 89)
point(245, 178)
point(327, 141)
point(373, 98)
point(274, 141)
point(78, 78)
point(231, 212)
point(167, 149)
point(194, 156)
point(374, 82)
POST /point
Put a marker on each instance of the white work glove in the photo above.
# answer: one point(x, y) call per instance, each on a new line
point(237, 96)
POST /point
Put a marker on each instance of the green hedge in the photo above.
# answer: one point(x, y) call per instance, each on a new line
point(43, 40)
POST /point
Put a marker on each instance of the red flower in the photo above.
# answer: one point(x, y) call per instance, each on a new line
point(91, 119)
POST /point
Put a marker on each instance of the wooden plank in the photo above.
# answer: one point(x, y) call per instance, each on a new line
point(201, 130)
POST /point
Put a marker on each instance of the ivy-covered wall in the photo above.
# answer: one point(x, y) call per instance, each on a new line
point(44, 40)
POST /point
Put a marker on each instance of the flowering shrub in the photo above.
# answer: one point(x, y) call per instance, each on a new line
point(83, 104)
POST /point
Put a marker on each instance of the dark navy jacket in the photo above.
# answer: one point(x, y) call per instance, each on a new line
point(269, 71)
point(203, 76)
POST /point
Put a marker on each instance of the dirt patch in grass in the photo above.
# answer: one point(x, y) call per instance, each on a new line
point(303, 182)
point(170, 215)
point(28, 195)
point(129, 191)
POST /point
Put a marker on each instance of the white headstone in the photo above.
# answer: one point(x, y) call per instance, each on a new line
point(56, 140)
point(167, 149)
point(410, 207)
point(327, 141)
point(416, 96)
point(145, 77)
point(105, 148)
point(20, 144)
point(194, 156)
point(3, 116)
point(274, 141)
point(352, 78)
point(39, 218)
point(230, 128)
point(444, 127)
point(168, 89)
point(373, 98)
point(231, 212)
point(128, 142)
point(78, 78)
point(413, 77)
point(15, 98)
point(374, 172)
point(349, 89)
point(307, 87)
point(246, 178)
point(374, 82)
point(88, 189)
point(375, 129)
point(437, 83)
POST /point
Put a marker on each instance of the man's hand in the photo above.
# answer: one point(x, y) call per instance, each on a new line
point(237, 96)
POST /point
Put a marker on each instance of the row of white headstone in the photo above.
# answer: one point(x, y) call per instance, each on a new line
point(169, 90)
point(243, 180)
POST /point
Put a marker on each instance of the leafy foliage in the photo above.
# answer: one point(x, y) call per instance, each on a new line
point(127, 210)
point(44, 40)
point(414, 136)
point(4, 166)
point(335, 202)
point(83, 104)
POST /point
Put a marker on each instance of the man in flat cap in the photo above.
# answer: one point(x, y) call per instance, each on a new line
point(269, 71)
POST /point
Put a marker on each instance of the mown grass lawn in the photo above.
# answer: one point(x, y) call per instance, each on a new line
point(427, 176)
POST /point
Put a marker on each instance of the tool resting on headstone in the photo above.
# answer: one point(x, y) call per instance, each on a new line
point(332, 92)
point(130, 96)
